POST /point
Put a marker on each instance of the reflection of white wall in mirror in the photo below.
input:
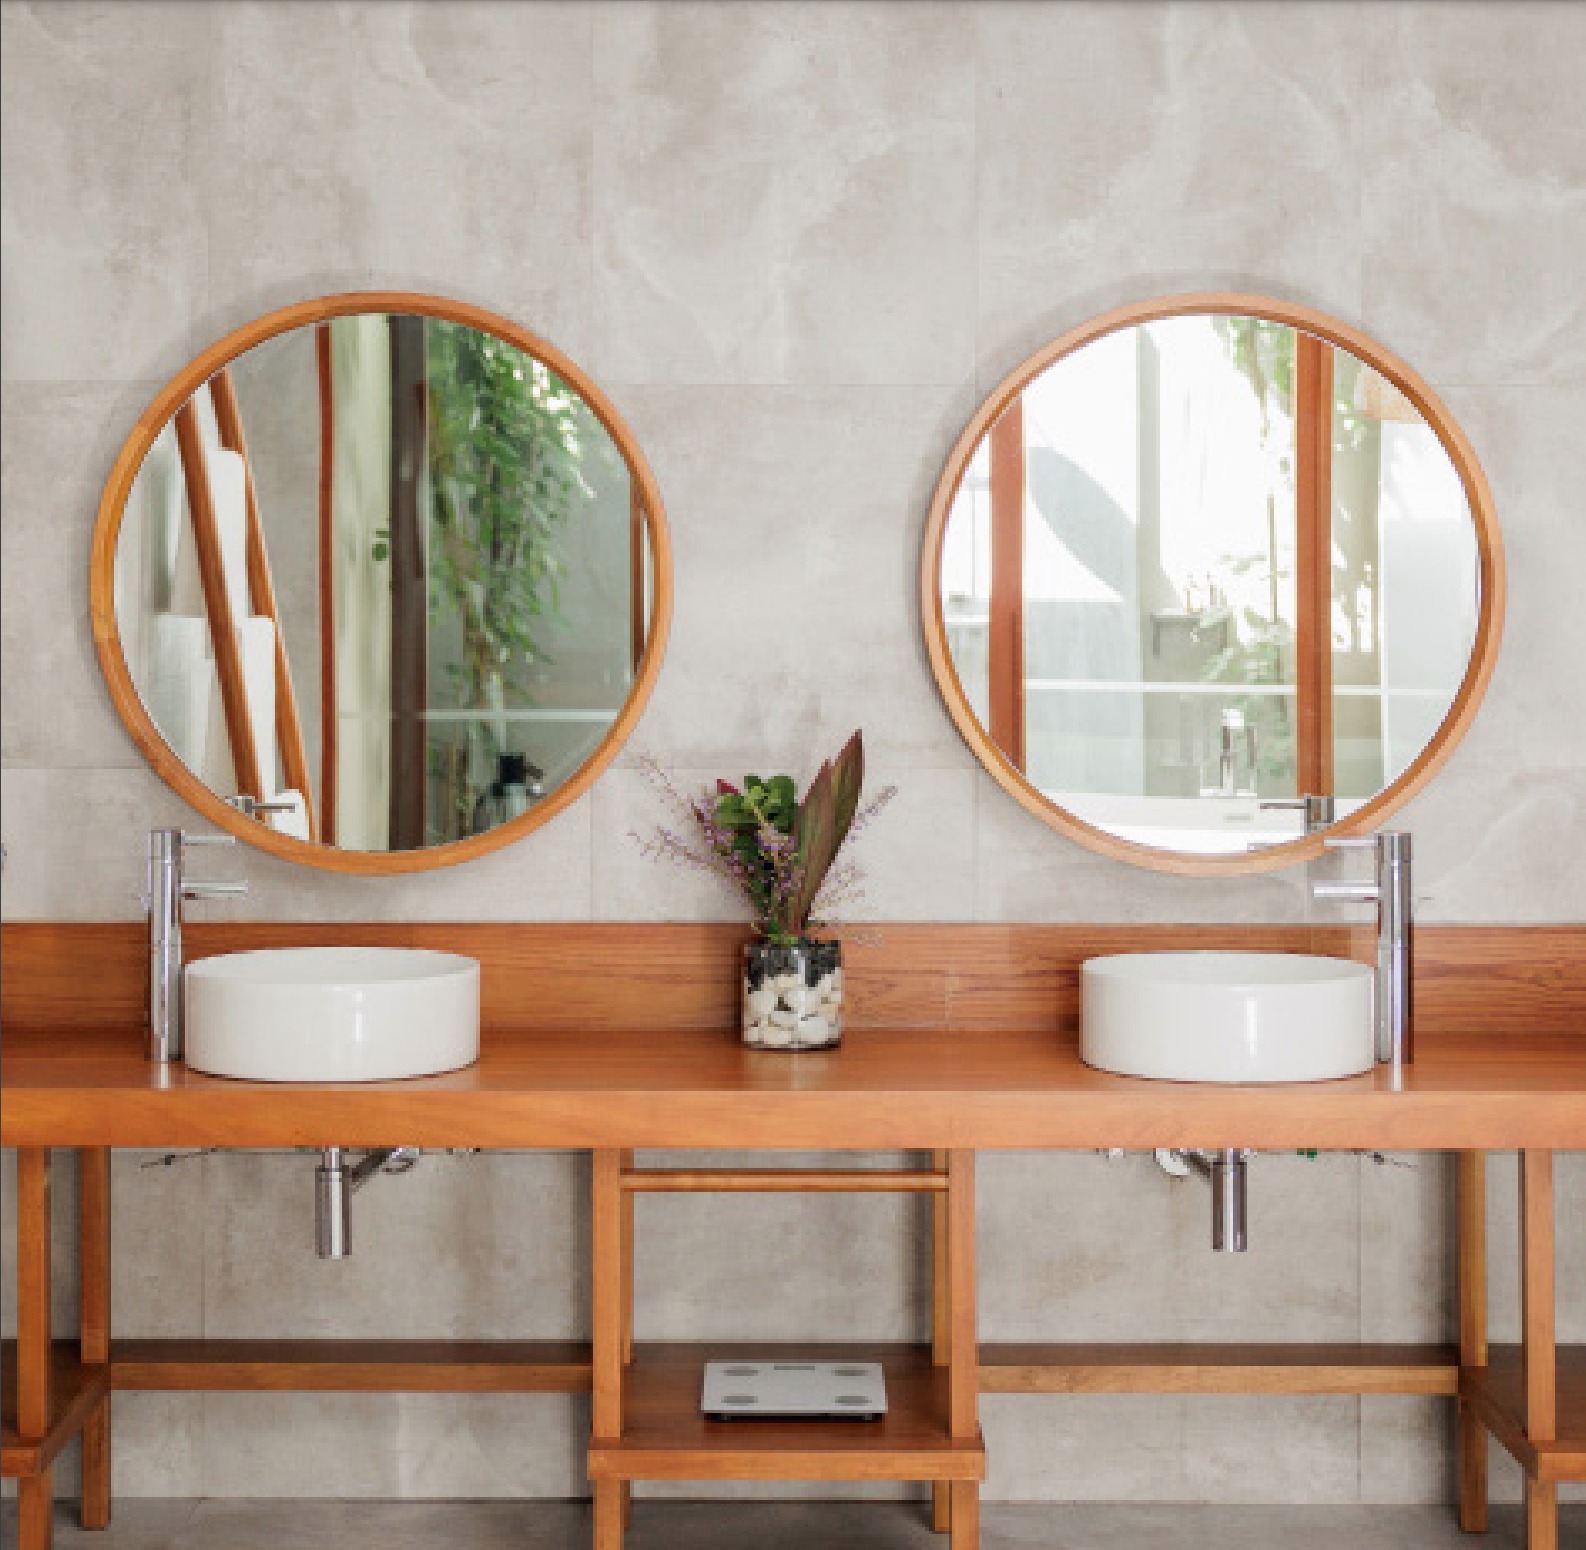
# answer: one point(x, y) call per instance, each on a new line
point(1225, 468)
point(966, 582)
point(1159, 483)
point(360, 351)
point(1430, 590)
point(1082, 540)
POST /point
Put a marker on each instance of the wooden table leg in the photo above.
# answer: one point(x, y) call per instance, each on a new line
point(941, 1493)
point(1471, 1218)
point(607, 1333)
point(963, 1349)
point(1540, 1349)
point(93, 1174)
point(608, 1514)
point(34, 1496)
point(628, 1203)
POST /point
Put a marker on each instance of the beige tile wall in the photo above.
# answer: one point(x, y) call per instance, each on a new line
point(795, 242)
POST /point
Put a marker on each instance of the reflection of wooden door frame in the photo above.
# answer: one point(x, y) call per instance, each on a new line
point(1313, 565)
point(223, 624)
point(1313, 433)
point(261, 592)
point(409, 583)
point(327, 583)
point(1005, 644)
point(217, 604)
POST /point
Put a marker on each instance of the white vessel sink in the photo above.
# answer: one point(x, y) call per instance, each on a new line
point(1227, 1017)
point(331, 1014)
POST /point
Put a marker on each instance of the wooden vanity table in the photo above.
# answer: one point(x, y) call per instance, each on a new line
point(617, 1038)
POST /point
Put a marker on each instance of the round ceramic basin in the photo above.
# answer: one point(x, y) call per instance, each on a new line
point(1227, 1017)
point(331, 1014)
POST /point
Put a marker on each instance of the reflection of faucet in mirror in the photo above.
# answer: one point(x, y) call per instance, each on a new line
point(1235, 731)
point(1320, 810)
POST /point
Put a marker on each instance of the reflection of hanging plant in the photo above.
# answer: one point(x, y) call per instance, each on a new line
point(507, 442)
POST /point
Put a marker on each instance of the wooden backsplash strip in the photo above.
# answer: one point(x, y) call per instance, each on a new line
point(1469, 979)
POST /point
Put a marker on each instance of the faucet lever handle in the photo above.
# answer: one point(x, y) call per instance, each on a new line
point(213, 890)
point(208, 839)
point(1351, 842)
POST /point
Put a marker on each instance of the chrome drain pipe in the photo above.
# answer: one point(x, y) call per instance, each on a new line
point(335, 1181)
point(1228, 1173)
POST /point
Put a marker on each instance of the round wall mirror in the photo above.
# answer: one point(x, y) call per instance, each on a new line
point(1209, 576)
point(380, 582)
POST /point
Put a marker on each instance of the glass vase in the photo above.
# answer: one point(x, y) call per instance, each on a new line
point(792, 994)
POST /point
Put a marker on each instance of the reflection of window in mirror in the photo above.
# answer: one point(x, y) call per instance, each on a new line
point(1201, 557)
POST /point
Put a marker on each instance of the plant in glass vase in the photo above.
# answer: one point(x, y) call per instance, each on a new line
point(779, 852)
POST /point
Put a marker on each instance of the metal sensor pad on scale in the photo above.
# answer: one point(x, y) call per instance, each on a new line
point(794, 1391)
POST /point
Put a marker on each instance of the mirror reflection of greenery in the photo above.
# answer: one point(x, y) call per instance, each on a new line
point(514, 452)
point(1261, 646)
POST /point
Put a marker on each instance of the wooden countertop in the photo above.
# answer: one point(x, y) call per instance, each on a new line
point(885, 1088)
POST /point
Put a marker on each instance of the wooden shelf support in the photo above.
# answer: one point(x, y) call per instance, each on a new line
point(1470, 1211)
point(1540, 1349)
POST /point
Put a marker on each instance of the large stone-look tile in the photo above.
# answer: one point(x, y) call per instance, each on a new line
point(797, 516)
point(106, 235)
point(785, 193)
point(76, 847)
point(1473, 172)
point(55, 709)
point(1091, 1447)
point(77, 841)
point(483, 1246)
point(1528, 441)
point(1498, 845)
point(394, 1446)
point(1407, 1245)
point(403, 146)
point(158, 1445)
point(781, 1267)
point(544, 876)
point(1126, 151)
point(1079, 1246)
point(1406, 1450)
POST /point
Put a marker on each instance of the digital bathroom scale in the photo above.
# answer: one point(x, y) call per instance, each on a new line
point(794, 1391)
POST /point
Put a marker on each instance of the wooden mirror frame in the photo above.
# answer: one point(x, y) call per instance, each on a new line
point(1489, 626)
point(101, 584)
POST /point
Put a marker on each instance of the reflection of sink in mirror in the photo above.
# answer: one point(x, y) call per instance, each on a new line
point(1227, 1017)
point(332, 1014)
point(1209, 826)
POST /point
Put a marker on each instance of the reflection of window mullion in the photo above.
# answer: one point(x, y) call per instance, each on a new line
point(1005, 644)
point(1313, 498)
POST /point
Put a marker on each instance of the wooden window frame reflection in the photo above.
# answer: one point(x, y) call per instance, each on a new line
point(1000, 745)
point(648, 507)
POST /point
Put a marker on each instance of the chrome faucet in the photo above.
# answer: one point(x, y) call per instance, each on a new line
point(168, 888)
point(1320, 811)
point(1391, 893)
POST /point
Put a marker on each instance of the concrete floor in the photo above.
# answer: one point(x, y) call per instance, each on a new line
point(357, 1525)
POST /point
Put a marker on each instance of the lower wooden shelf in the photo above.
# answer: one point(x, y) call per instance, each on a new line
point(1497, 1394)
point(75, 1390)
point(1205, 1368)
point(665, 1437)
point(355, 1366)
